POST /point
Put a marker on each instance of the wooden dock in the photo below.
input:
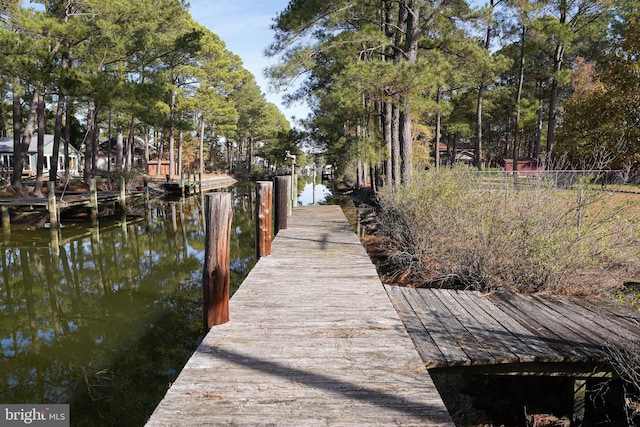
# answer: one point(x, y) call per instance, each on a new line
point(188, 187)
point(508, 333)
point(313, 340)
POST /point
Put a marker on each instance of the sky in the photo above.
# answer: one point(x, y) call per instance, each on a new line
point(243, 25)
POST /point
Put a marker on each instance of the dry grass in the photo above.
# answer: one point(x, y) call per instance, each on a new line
point(450, 228)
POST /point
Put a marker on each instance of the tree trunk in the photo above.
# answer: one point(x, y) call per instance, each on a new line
point(553, 101)
point(395, 145)
point(57, 128)
point(18, 159)
point(172, 139)
point(130, 144)
point(412, 37)
point(67, 140)
point(29, 129)
point(387, 121)
point(201, 148)
point(481, 89)
point(57, 135)
point(95, 136)
point(438, 128)
point(37, 191)
point(88, 153)
point(180, 143)
point(119, 150)
point(516, 136)
point(406, 141)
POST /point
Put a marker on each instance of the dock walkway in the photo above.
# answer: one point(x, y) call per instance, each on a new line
point(313, 340)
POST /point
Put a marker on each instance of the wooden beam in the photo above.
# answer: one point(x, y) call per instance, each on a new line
point(578, 370)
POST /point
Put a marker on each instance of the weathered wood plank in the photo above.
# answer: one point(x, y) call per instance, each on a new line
point(617, 317)
point(429, 351)
point(493, 349)
point(573, 335)
point(527, 345)
point(493, 333)
point(312, 339)
point(591, 330)
point(442, 338)
point(534, 323)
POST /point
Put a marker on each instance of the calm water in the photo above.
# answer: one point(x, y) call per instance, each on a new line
point(106, 318)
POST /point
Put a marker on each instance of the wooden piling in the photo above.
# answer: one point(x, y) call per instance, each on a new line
point(314, 186)
point(53, 210)
point(6, 219)
point(123, 194)
point(215, 274)
point(282, 198)
point(93, 195)
point(264, 218)
point(289, 191)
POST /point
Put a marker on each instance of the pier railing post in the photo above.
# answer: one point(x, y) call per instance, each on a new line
point(282, 199)
point(264, 217)
point(215, 274)
point(53, 209)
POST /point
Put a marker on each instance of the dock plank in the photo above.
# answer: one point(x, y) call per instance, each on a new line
point(526, 345)
point(493, 333)
point(313, 340)
point(488, 350)
point(534, 321)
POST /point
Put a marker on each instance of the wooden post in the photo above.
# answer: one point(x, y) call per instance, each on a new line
point(289, 190)
point(182, 184)
point(200, 182)
point(93, 199)
point(215, 273)
point(314, 186)
point(282, 197)
point(579, 396)
point(53, 210)
point(6, 219)
point(264, 219)
point(123, 194)
point(145, 188)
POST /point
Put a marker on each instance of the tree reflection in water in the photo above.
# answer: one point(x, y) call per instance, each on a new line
point(105, 318)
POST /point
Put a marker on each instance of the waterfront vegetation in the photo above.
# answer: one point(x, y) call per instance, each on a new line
point(455, 228)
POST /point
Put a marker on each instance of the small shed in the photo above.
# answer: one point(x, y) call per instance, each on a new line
point(526, 166)
point(164, 168)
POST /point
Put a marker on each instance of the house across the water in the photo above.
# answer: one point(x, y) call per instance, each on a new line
point(6, 155)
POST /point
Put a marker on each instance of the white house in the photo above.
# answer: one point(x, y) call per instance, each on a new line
point(6, 155)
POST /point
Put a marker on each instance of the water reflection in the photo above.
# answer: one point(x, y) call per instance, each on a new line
point(307, 196)
point(105, 318)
